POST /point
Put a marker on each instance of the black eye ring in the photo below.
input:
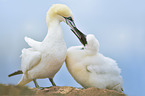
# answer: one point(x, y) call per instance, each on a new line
point(69, 18)
point(82, 48)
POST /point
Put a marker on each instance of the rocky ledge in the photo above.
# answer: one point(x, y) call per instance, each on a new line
point(11, 90)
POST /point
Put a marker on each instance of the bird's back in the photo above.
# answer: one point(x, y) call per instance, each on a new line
point(93, 70)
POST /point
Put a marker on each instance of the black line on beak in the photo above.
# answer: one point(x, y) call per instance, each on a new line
point(78, 33)
point(70, 22)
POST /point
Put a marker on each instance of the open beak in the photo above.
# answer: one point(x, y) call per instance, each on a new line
point(78, 33)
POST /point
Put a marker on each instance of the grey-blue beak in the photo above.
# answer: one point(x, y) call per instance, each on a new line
point(78, 33)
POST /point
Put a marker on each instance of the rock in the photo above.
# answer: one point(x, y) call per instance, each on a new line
point(11, 90)
point(55, 91)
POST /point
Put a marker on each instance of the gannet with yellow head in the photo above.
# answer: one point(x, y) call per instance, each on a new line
point(44, 59)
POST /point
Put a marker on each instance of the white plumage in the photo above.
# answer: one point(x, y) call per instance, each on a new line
point(92, 69)
point(44, 59)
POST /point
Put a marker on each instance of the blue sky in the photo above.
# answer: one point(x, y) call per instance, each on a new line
point(119, 25)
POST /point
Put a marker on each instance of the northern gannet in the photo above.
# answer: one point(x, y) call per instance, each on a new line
point(44, 59)
point(91, 68)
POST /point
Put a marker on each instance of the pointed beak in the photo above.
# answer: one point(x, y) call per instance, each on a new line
point(78, 33)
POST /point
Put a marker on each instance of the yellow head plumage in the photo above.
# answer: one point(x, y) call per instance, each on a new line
point(57, 10)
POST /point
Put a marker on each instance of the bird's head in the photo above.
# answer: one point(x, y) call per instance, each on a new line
point(60, 12)
point(91, 44)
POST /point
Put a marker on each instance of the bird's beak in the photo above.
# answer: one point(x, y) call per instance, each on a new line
point(78, 33)
point(70, 22)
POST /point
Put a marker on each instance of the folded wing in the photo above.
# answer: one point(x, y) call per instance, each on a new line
point(30, 58)
point(104, 65)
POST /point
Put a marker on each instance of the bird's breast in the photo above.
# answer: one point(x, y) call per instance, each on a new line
point(55, 52)
point(52, 58)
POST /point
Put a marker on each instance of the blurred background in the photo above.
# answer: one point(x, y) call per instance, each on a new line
point(119, 25)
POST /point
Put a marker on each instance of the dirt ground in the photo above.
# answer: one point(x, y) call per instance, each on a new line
point(11, 90)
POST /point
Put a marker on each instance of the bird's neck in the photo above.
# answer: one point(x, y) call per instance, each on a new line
point(91, 50)
point(54, 31)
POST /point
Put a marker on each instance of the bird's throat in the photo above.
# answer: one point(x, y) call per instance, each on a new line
point(54, 31)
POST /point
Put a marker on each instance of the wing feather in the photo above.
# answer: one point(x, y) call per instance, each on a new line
point(29, 59)
point(104, 65)
point(32, 43)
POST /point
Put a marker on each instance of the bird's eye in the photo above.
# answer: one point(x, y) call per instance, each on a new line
point(70, 18)
point(82, 48)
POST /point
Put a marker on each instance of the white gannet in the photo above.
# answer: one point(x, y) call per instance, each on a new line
point(91, 68)
point(44, 59)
